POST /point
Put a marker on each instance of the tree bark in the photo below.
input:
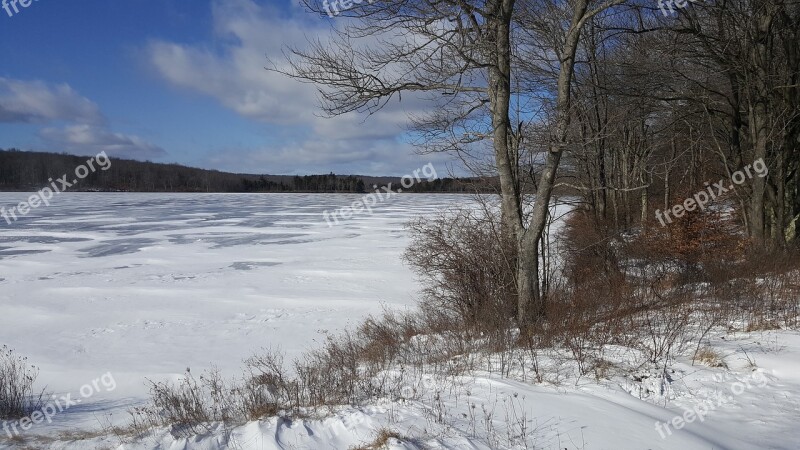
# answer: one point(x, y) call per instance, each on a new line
point(531, 302)
point(500, 104)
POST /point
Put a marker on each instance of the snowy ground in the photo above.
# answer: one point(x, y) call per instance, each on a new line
point(143, 286)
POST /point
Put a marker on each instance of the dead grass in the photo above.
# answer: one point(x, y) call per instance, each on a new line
point(381, 441)
point(709, 357)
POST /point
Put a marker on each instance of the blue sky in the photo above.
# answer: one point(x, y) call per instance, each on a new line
point(182, 81)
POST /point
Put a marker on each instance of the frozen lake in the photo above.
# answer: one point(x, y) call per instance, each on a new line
point(146, 285)
point(142, 286)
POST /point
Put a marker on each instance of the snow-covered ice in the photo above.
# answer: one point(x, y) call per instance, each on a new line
point(146, 285)
point(143, 286)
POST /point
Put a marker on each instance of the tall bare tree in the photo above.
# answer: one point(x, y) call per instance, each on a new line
point(462, 51)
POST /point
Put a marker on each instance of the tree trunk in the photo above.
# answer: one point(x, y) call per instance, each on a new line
point(759, 116)
point(500, 101)
point(531, 301)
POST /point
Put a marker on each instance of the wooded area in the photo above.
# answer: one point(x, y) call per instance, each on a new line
point(633, 108)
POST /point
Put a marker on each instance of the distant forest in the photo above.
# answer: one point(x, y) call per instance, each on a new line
point(28, 171)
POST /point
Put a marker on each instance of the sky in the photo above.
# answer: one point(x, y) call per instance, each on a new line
point(184, 81)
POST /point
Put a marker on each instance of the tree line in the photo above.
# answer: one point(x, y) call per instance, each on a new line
point(24, 171)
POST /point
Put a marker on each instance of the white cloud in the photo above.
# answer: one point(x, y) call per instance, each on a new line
point(236, 74)
point(232, 71)
point(82, 128)
point(88, 139)
point(37, 102)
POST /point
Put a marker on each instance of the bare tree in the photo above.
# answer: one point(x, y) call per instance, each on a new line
point(753, 43)
point(461, 53)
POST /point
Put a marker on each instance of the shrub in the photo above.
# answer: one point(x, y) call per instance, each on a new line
point(466, 267)
point(187, 405)
point(18, 398)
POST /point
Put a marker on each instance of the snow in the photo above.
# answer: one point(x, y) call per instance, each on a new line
point(142, 286)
